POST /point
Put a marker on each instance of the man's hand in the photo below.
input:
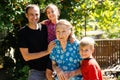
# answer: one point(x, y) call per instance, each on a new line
point(51, 46)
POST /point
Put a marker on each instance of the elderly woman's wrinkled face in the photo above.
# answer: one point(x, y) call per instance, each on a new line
point(62, 32)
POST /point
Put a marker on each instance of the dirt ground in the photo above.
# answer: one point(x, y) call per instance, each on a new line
point(108, 78)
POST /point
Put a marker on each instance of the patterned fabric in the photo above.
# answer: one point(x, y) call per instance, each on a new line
point(69, 59)
point(51, 30)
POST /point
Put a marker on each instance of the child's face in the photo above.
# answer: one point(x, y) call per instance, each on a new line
point(86, 51)
point(52, 14)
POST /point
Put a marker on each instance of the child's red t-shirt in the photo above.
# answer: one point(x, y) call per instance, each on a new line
point(91, 70)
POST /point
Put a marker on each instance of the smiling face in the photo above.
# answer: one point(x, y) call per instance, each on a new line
point(33, 14)
point(86, 47)
point(62, 32)
point(52, 12)
point(86, 51)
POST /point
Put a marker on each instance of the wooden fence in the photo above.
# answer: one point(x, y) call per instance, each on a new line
point(107, 52)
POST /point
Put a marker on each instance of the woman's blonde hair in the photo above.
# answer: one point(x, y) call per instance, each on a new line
point(64, 22)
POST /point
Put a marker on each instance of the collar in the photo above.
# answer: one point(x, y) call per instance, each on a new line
point(88, 58)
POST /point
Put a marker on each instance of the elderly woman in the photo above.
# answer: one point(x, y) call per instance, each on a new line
point(65, 55)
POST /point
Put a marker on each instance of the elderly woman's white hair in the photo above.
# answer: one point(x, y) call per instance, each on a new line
point(64, 22)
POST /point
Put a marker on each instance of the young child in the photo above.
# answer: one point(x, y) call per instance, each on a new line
point(53, 14)
point(89, 68)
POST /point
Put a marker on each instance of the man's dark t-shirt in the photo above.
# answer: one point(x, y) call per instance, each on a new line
point(35, 41)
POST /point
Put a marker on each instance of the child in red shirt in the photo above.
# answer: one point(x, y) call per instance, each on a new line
point(90, 69)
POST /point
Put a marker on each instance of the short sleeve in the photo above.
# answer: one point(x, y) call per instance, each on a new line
point(52, 54)
point(22, 40)
point(94, 70)
point(78, 51)
point(47, 22)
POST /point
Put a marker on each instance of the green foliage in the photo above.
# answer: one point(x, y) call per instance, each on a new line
point(24, 73)
point(12, 18)
point(118, 77)
point(100, 15)
point(108, 18)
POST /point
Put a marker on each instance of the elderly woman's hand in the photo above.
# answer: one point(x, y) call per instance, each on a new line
point(61, 75)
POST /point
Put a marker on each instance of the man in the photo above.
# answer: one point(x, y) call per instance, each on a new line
point(33, 44)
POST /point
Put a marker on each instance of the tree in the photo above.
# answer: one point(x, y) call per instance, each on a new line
point(12, 18)
point(103, 13)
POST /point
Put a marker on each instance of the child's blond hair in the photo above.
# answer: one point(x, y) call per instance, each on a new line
point(87, 41)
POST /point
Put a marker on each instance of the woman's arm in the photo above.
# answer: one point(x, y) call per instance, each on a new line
point(43, 22)
point(60, 73)
point(73, 73)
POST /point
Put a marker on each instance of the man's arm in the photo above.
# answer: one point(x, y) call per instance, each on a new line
point(28, 56)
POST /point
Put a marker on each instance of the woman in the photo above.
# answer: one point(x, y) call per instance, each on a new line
point(65, 55)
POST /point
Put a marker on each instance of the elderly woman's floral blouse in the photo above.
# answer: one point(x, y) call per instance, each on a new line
point(69, 59)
